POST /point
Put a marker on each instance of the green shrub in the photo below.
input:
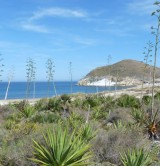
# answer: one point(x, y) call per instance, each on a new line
point(128, 101)
point(99, 113)
point(27, 111)
point(146, 99)
point(65, 98)
point(55, 104)
point(157, 96)
point(61, 148)
point(136, 157)
point(21, 105)
point(41, 105)
point(139, 115)
point(93, 101)
point(9, 124)
point(75, 120)
point(87, 132)
point(45, 117)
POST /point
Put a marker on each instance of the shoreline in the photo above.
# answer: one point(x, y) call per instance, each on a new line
point(134, 91)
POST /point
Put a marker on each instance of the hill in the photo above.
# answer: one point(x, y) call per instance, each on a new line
point(131, 69)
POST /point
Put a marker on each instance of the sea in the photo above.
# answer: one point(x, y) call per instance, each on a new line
point(18, 90)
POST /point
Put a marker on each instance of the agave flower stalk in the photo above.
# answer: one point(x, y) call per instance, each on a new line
point(30, 74)
point(50, 72)
point(147, 55)
point(10, 77)
point(70, 72)
point(155, 32)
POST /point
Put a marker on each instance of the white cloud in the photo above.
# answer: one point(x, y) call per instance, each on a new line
point(33, 27)
point(58, 12)
point(30, 23)
point(138, 7)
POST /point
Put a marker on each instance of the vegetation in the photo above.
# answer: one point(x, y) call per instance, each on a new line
point(62, 148)
point(121, 125)
point(136, 157)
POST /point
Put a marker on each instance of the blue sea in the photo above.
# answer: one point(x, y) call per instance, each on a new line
point(17, 90)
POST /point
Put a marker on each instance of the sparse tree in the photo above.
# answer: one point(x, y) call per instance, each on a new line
point(50, 73)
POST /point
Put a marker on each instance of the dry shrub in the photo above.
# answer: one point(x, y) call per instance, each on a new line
point(108, 145)
point(122, 114)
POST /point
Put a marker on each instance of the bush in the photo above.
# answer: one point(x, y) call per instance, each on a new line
point(136, 157)
point(55, 104)
point(65, 98)
point(128, 101)
point(93, 101)
point(146, 100)
point(41, 105)
point(21, 105)
point(99, 113)
point(61, 148)
point(45, 117)
point(139, 116)
point(107, 145)
point(27, 111)
point(157, 96)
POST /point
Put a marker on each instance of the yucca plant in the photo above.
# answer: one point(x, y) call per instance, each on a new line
point(139, 115)
point(128, 101)
point(136, 157)
point(28, 111)
point(87, 132)
point(146, 99)
point(61, 148)
point(120, 125)
point(153, 126)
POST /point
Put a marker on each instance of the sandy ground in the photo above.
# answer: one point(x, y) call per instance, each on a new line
point(4, 102)
point(135, 91)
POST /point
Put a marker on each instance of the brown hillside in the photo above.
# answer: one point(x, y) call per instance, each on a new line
point(125, 68)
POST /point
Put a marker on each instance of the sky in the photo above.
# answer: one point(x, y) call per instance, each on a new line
point(84, 32)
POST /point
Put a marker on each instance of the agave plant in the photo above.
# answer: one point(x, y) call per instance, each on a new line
point(136, 157)
point(28, 111)
point(61, 148)
point(153, 126)
point(139, 115)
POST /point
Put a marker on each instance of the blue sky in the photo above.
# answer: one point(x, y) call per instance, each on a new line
point(84, 32)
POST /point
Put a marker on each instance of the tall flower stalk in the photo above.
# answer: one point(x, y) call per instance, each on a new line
point(50, 72)
point(147, 60)
point(71, 79)
point(30, 74)
point(10, 77)
point(109, 73)
point(155, 32)
point(1, 66)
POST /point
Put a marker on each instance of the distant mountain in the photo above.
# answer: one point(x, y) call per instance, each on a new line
point(124, 69)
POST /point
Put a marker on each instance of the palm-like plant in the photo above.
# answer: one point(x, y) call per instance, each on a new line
point(61, 148)
point(136, 157)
